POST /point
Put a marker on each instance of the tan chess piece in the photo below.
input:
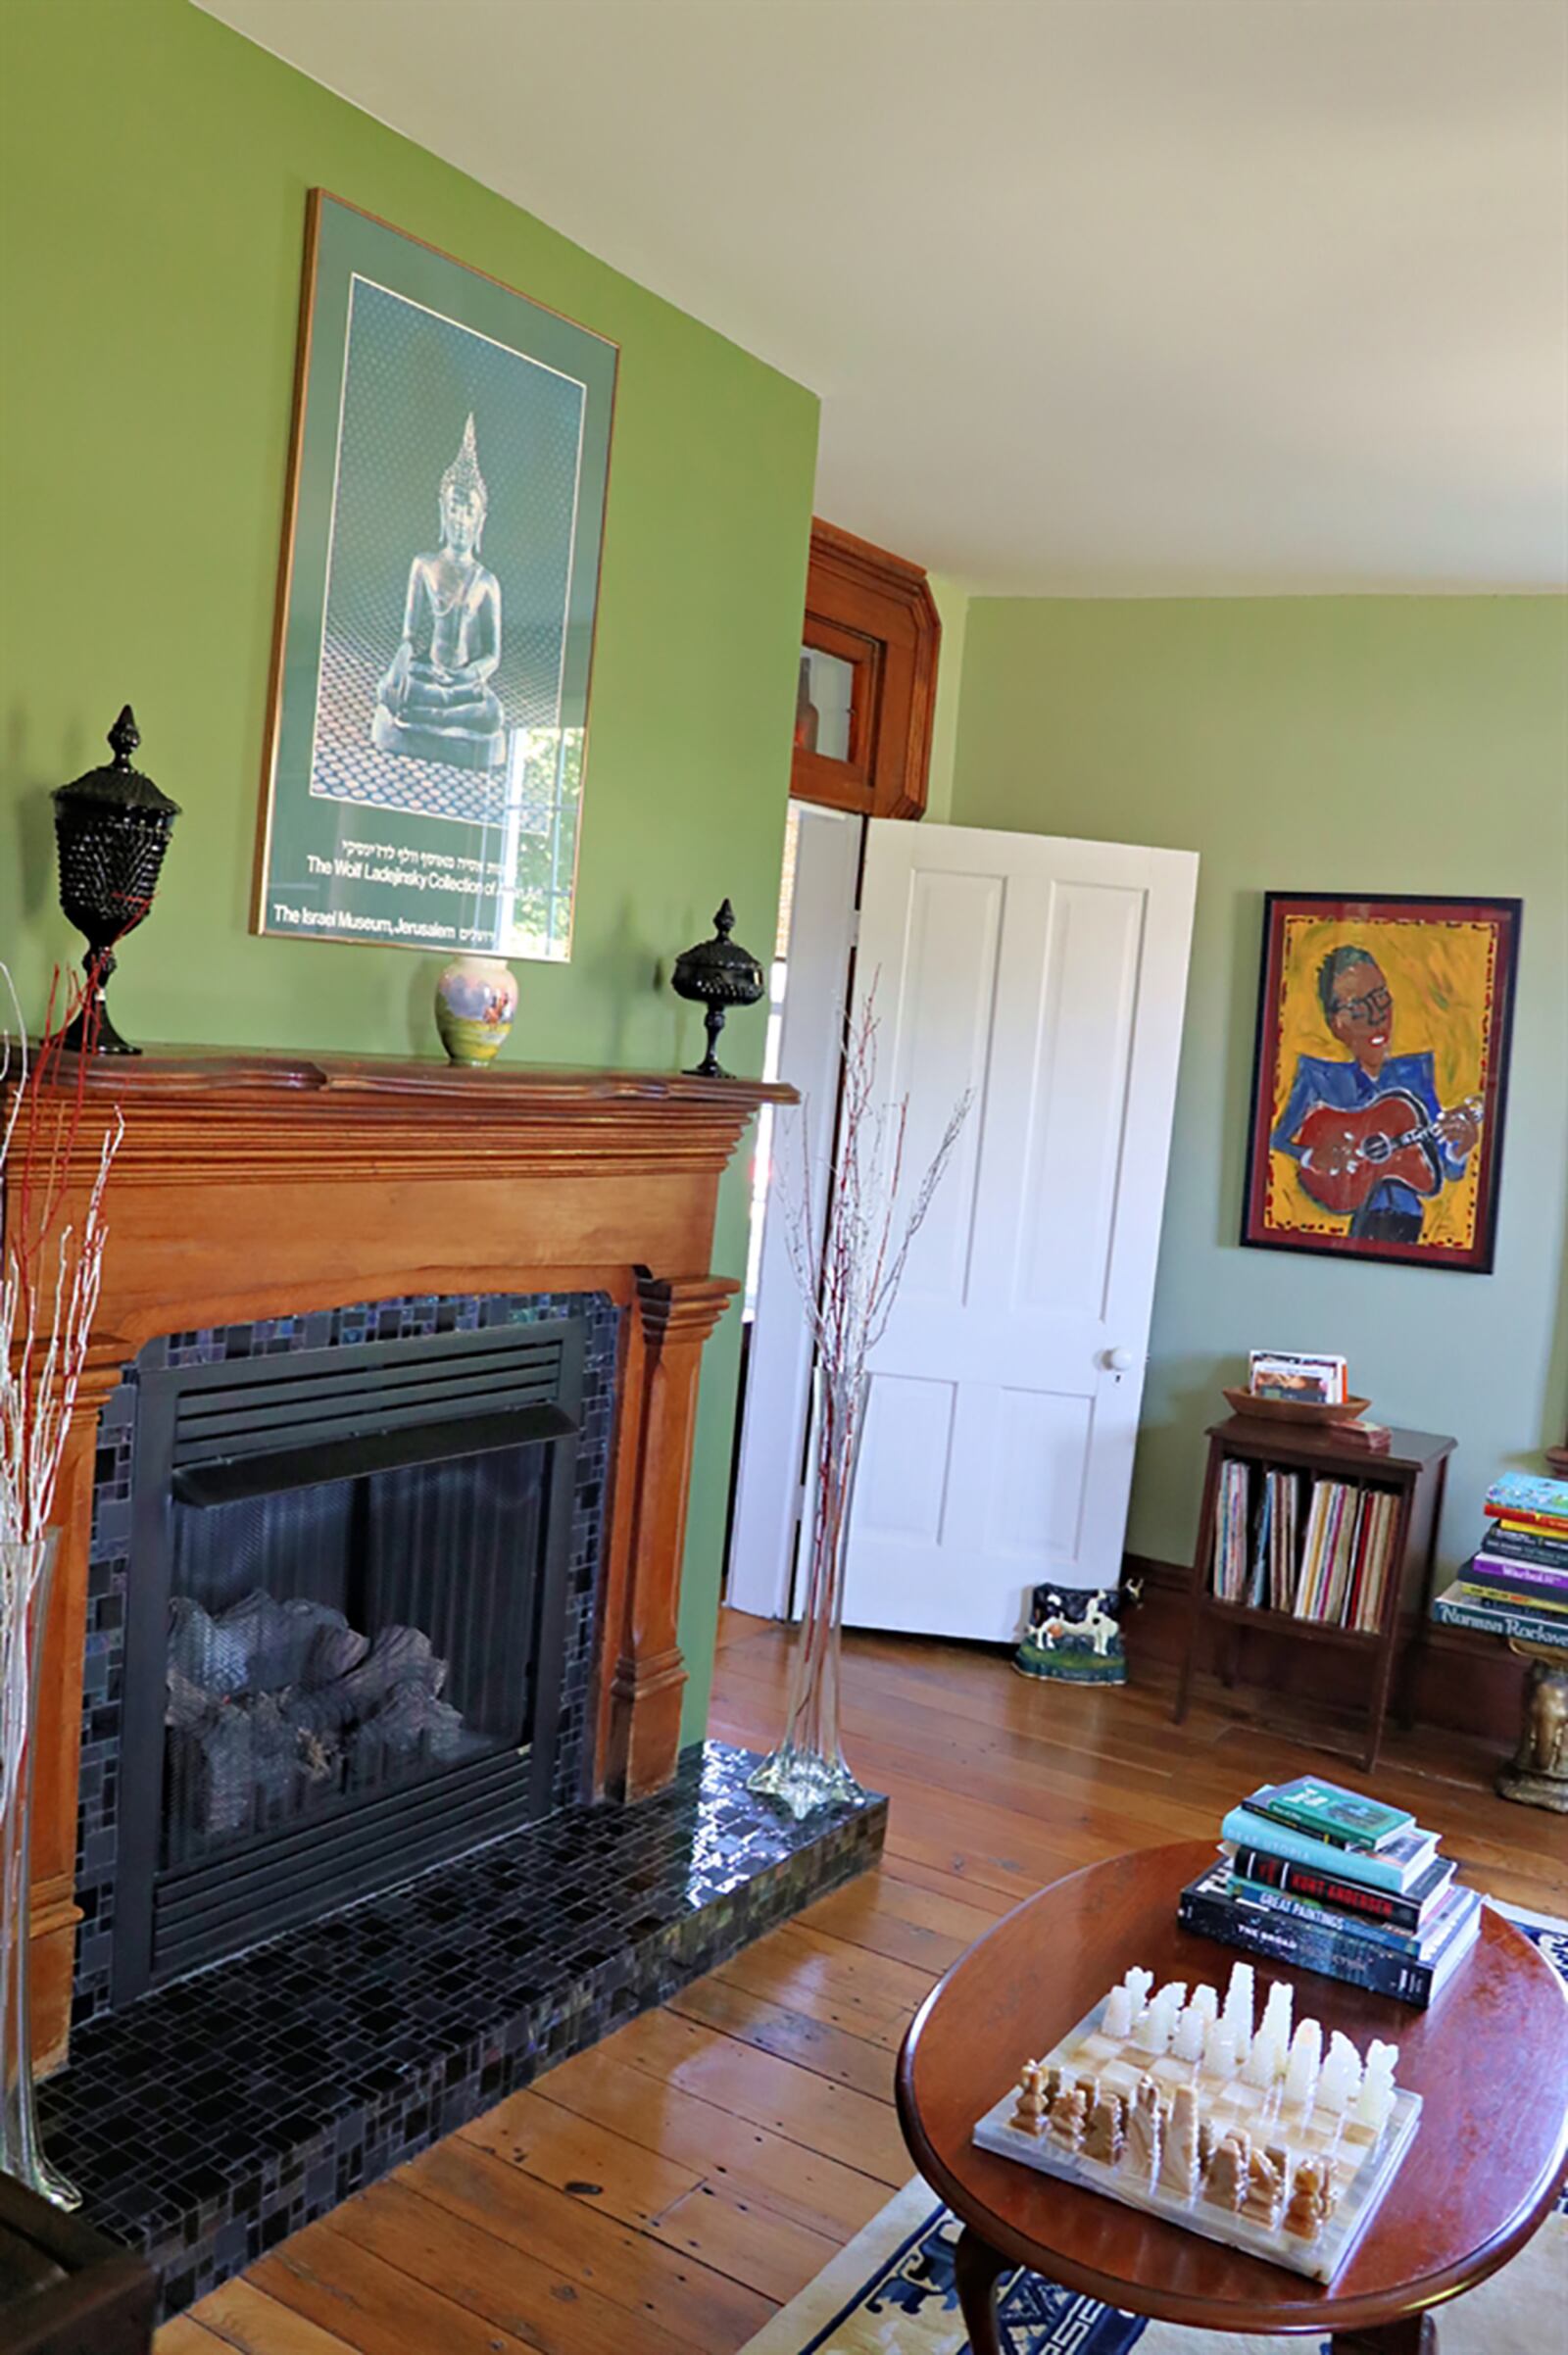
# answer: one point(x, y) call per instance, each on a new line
point(1309, 2200)
point(1066, 2117)
point(1178, 2159)
point(1206, 2142)
point(1106, 2135)
point(1264, 2196)
point(1029, 2117)
point(1225, 2183)
point(1141, 2154)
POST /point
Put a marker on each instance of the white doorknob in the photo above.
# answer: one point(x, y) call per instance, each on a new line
point(1120, 1361)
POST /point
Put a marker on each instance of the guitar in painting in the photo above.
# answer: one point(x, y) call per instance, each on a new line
point(1343, 1156)
point(1371, 1141)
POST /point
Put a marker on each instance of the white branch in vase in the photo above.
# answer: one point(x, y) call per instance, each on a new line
point(849, 1293)
point(51, 1272)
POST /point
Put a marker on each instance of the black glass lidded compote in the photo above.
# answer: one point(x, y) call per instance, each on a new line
point(718, 975)
point(111, 829)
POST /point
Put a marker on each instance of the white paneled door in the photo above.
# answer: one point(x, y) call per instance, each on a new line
point(1047, 976)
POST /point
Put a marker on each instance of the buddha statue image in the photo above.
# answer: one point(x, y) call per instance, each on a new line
point(435, 700)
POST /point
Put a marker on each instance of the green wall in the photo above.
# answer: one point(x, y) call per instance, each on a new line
point(1324, 744)
point(155, 169)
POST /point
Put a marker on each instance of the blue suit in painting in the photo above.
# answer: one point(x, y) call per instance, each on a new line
point(1391, 1211)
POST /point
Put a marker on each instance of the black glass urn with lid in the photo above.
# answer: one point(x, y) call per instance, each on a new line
point(111, 829)
point(718, 975)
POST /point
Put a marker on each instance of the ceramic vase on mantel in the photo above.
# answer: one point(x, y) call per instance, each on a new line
point(476, 1003)
point(26, 1567)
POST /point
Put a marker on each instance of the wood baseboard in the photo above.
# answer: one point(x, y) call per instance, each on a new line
point(1464, 1683)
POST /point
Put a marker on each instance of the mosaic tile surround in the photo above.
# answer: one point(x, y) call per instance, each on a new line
point(218, 2115)
point(214, 2118)
point(109, 1557)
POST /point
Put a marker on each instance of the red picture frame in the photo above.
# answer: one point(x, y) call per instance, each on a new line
point(1380, 1077)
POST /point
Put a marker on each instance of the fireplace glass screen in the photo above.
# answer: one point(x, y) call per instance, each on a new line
point(345, 1626)
point(329, 1644)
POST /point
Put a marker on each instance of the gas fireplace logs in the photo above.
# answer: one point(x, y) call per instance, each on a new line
point(272, 1704)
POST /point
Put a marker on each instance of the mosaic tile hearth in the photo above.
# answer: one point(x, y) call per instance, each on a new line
point(217, 2116)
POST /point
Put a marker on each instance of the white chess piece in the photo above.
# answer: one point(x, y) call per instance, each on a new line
point(1277, 2018)
point(1238, 2013)
point(1302, 2069)
point(1117, 2018)
point(1139, 1984)
point(1206, 2002)
point(1260, 2068)
point(1376, 2085)
point(1152, 2033)
point(1341, 2080)
point(1188, 2041)
point(1161, 2016)
point(1219, 2048)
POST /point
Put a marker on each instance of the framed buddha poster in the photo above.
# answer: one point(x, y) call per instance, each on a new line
point(435, 617)
point(1380, 1079)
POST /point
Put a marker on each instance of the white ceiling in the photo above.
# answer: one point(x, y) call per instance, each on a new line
point(1102, 297)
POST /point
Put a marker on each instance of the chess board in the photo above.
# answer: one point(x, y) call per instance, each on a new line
point(1361, 2160)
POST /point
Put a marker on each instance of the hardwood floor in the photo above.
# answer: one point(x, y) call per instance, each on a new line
point(701, 2166)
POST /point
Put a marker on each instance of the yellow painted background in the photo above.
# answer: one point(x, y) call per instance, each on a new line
point(1441, 976)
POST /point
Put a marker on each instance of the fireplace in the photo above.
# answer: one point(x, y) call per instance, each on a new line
point(264, 1192)
point(346, 1616)
point(342, 1297)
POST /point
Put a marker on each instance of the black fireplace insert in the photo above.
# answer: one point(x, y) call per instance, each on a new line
point(346, 1610)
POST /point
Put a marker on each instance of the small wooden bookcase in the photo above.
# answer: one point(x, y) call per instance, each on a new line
point(1415, 1469)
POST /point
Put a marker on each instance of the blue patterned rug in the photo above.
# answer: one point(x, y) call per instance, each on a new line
point(891, 2290)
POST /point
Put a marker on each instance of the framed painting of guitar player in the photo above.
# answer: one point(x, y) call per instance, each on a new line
point(1381, 1077)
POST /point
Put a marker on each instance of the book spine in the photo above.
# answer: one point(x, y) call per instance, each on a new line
point(1527, 1524)
point(1380, 1908)
point(1523, 1546)
point(1262, 1899)
point(1516, 1578)
point(1343, 1956)
point(1248, 1830)
point(1529, 1493)
point(1330, 1834)
point(1493, 1617)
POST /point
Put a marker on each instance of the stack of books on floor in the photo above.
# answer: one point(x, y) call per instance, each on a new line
point(1320, 1549)
point(1516, 1584)
point(1325, 1878)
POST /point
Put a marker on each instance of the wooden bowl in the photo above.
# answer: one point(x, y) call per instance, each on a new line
point(1295, 1410)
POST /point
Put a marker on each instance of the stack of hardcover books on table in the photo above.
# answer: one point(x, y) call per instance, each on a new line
point(1330, 1881)
point(1516, 1584)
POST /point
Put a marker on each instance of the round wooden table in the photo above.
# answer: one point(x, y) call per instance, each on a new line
point(1490, 2060)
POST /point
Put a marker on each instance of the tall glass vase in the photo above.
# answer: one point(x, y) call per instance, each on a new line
point(807, 1770)
point(25, 1571)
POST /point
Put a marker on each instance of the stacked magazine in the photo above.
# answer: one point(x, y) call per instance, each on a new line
point(1332, 1881)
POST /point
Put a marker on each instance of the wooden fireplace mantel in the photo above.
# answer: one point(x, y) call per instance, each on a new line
point(271, 1185)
